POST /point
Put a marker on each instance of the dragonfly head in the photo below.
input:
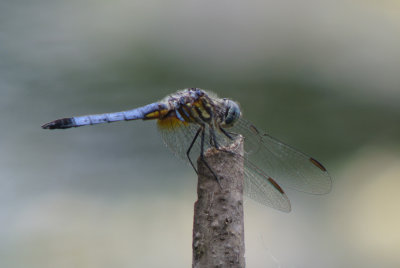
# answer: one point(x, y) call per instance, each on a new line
point(231, 113)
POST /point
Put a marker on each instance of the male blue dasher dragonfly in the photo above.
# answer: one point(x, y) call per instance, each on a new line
point(193, 120)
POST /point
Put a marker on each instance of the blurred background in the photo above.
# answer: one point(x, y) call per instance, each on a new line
point(323, 76)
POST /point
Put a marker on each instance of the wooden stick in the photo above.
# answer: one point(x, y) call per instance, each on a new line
point(218, 229)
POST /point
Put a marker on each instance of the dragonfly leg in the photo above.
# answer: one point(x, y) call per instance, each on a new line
point(190, 148)
point(213, 138)
point(229, 135)
point(202, 156)
point(226, 133)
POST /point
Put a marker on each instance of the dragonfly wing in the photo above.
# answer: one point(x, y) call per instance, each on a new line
point(178, 136)
point(263, 189)
point(287, 165)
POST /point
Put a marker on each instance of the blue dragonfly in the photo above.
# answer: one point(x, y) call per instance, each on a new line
point(193, 120)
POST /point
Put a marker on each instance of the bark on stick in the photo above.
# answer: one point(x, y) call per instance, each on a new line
point(218, 228)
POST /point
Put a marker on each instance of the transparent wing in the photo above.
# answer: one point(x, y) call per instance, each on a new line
point(178, 136)
point(287, 165)
point(258, 186)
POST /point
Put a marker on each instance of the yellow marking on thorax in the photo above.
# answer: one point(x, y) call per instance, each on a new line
point(202, 110)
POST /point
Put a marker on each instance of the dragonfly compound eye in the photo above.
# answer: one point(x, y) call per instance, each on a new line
point(232, 113)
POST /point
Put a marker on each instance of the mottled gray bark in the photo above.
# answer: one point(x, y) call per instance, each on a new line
point(218, 228)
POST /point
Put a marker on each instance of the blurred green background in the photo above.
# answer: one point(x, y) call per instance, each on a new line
point(323, 76)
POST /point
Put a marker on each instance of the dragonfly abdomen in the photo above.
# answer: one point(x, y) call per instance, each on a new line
point(150, 111)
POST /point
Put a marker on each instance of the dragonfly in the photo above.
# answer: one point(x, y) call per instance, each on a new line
point(193, 120)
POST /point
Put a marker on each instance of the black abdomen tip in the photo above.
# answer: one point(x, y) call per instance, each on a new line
point(59, 124)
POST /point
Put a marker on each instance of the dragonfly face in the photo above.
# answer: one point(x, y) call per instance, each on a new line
point(193, 120)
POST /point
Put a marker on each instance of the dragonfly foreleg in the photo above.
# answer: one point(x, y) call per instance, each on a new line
point(226, 133)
